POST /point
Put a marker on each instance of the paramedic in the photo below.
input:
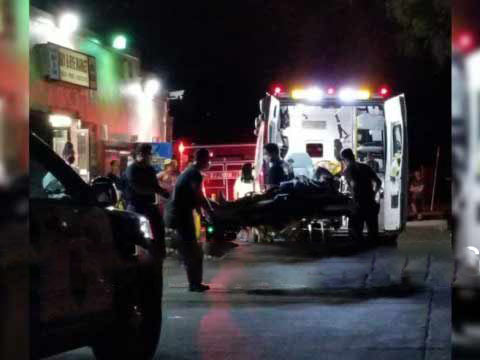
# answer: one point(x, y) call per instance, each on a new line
point(360, 179)
point(179, 215)
point(277, 168)
point(140, 189)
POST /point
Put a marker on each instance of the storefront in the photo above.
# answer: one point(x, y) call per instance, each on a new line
point(90, 96)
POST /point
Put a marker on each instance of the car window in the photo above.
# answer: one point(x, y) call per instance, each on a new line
point(43, 184)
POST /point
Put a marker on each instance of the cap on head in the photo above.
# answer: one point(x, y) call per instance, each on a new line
point(144, 149)
point(202, 155)
point(347, 155)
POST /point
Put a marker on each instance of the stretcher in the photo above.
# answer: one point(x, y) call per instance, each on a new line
point(292, 201)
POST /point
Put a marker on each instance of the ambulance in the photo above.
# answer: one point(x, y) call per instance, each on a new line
point(466, 189)
point(313, 125)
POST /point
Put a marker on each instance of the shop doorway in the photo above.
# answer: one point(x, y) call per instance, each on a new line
point(83, 153)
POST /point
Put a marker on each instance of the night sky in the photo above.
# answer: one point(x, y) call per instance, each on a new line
point(226, 54)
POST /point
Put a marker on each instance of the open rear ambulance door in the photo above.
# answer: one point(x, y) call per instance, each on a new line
point(396, 169)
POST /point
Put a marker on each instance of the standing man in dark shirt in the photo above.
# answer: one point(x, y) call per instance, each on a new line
point(140, 188)
point(187, 197)
point(114, 174)
point(276, 172)
point(360, 178)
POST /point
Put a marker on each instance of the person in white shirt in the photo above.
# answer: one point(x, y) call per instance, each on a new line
point(245, 183)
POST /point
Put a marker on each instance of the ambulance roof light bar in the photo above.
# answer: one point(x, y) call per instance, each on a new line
point(345, 94)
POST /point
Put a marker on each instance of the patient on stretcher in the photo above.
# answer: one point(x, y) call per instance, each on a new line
point(292, 200)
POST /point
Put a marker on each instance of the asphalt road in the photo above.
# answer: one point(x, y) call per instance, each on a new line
point(304, 301)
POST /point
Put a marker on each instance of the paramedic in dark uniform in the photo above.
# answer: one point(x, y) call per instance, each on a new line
point(277, 168)
point(187, 197)
point(361, 179)
point(140, 188)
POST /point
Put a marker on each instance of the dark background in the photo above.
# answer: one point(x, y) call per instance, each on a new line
point(226, 54)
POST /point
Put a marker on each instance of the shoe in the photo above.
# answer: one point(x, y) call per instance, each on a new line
point(199, 288)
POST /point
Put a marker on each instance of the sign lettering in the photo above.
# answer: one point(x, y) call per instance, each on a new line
point(72, 67)
point(223, 175)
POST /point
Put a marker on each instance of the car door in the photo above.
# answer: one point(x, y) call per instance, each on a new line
point(396, 170)
point(72, 243)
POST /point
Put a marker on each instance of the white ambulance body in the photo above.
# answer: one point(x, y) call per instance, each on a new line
point(311, 131)
point(466, 154)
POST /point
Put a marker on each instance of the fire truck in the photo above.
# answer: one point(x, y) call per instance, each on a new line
point(225, 166)
point(312, 125)
point(219, 180)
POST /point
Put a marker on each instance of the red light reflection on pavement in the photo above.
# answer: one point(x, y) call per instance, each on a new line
point(219, 335)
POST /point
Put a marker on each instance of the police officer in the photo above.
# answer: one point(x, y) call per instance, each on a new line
point(360, 179)
point(277, 171)
point(140, 188)
point(187, 197)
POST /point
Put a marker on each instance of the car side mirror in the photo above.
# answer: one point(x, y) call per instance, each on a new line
point(105, 193)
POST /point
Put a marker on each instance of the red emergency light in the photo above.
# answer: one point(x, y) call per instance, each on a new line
point(384, 91)
point(331, 91)
point(465, 41)
point(181, 148)
point(277, 89)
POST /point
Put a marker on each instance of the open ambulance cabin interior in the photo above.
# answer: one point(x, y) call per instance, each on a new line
point(321, 131)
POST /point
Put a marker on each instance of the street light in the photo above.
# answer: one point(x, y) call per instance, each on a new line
point(120, 42)
point(69, 23)
point(152, 87)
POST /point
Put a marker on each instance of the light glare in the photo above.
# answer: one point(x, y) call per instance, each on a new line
point(473, 249)
point(60, 120)
point(152, 87)
point(69, 23)
point(314, 94)
point(347, 94)
point(298, 94)
point(120, 42)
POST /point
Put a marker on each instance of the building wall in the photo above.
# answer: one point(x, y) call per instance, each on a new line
point(110, 112)
point(13, 89)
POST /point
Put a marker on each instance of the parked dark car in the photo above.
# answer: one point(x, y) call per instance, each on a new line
point(94, 281)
